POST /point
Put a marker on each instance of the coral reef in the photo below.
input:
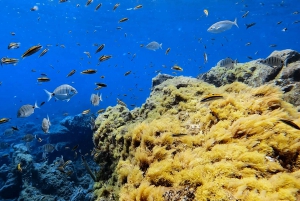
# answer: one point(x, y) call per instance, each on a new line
point(176, 147)
point(256, 74)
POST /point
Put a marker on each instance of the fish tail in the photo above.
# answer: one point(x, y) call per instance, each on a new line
point(235, 23)
point(160, 45)
point(48, 120)
point(35, 105)
point(49, 94)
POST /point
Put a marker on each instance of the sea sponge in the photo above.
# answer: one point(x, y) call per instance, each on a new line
point(176, 147)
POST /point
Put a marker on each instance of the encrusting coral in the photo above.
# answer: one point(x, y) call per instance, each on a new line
point(176, 147)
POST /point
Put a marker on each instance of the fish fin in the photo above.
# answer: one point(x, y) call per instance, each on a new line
point(160, 45)
point(100, 97)
point(235, 23)
point(35, 105)
point(49, 94)
point(55, 147)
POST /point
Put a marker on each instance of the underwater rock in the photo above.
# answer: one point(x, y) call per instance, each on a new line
point(78, 122)
point(255, 74)
point(181, 148)
point(160, 78)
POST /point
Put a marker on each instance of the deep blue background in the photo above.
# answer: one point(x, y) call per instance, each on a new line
point(180, 25)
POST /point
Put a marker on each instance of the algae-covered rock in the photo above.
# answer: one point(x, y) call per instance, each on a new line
point(255, 74)
point(177, 147)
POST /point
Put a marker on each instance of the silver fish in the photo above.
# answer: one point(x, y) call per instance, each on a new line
point(222, 26)
point(26, 110)
point(46, 124)
point(63, 92)
point(8, 132)
point(95, 99)
point(154, 46)
point(28, 137)
point(227, 63)
point(273, 61)
point(48, 148)
point(13, 45)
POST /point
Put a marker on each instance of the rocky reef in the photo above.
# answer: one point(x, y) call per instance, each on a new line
point(242, 146)
point(26, 176)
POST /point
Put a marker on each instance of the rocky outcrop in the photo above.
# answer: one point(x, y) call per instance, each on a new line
point(255, 74)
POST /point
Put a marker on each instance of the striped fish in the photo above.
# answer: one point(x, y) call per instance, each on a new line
point(26, 110)
point(48, 148)
point(101, 47)
point(28, 137)
point(6, 60)
point(272, 61)
point(98, 6)
point(227, 63)
point(43, 52)
point(63, 92)
point(32, 50)
point(95, 99)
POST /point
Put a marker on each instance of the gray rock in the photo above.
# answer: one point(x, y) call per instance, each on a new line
point(160, 78)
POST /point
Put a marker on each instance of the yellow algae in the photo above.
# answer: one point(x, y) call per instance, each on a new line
point(176, 147)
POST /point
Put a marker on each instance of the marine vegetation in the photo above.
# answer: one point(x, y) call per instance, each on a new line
point(242, 146)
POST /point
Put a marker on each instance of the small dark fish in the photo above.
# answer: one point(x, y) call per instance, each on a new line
point(31, 50)
point(88, 2)
point(178, 68)
point(89, 71)
point(296, 13)
point(44, 74)
point(86, 111)
point(98, 6)
point(296, 22)
point(42, 103)
point(12, 33)
point(75, 147)
point(123, 19)
point(290, 123)
point(210, 97)
point(138, 7)
point(167, 51)
point(4, 155)
point(178, 134)
point(127, 73)
point(71, 73)
point(43, 52)
point(279, 22)
point(62, 1)
point(100, 111)
point(116, 6)
point(250, 25)
point(121, 102)
point(101, 84)
point(245, 15)
point(205, 58)
point(15, 128)
point(104, 57)
point(284, 29)
point(273, 45)
point(4, 120)
point(249, 57)
point(43, 79)
point(119, 28)
point(101, 47)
